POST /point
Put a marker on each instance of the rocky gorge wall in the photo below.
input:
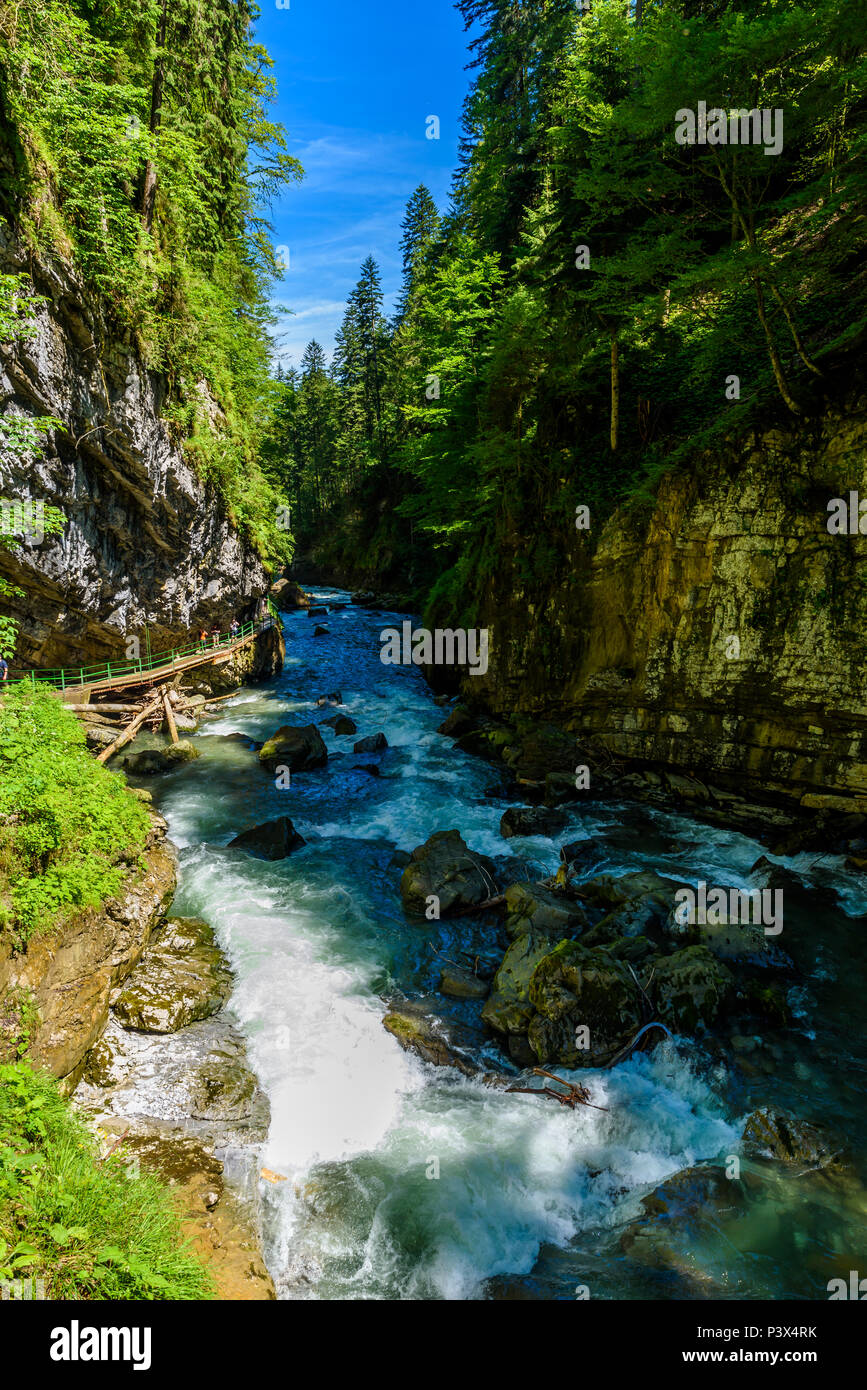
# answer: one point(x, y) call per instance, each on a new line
point(720, 636)
point(146, 541)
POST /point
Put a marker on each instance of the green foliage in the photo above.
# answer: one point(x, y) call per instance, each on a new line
point(89, 1228)
point(68, 826)
point(559, 384)
point(145, 151)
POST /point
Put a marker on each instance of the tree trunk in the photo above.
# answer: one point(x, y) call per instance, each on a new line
point(615, 390)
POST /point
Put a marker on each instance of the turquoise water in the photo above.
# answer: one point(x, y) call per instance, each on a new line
point(530, 1200)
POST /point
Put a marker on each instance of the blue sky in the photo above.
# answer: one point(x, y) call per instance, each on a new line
point(356, 82)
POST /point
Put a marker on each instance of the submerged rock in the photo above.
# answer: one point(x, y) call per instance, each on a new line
point(677, 1214)
point(182, 978)
point(341, 724)
point(446, 868)
point(770, 1133)
point(374, 743)
point(275, 839)
point(320, 631)
point(532, 820)
point(298, 747)
point(148, 762)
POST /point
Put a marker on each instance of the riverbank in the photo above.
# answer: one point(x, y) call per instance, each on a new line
point(411, 1180)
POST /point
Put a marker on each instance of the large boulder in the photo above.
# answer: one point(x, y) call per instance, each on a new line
point(508, 1010)
point(446, 868)
point(772, 1133)
point(298, 747)
point(182, 978)
point(572, 987)
point(532, 820)
point(275, 839)
point(530, 907)
point(287, 595)
point(692, 989)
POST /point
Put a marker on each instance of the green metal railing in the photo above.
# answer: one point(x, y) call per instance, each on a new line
point(72, 677)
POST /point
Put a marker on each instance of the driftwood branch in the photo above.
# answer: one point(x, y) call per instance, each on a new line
point(131, 729)
point(574, 1094)
point(480, 907)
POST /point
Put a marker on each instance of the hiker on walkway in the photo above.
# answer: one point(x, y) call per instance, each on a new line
point(234, 628)
point(4, 669)
point(203, 637)
point(215, 633)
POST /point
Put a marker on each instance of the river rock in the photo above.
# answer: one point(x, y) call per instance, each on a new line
point(320, 631)
point(445, 867)
point(573, 986)
point(275, 839)
point(457, 983)
point(679, 1215)
point(428, 1039)
point(335, 698)
point(148, 762)
point(459, 721)
point(531, 820)
point(532, 907)
point(182, 978)
point(509, 1010)
point(374, 743)
point(692, 989)
point(771, 1133)
point(317, 610)
point(288, 596)
point(298, 747)
point(341, 724)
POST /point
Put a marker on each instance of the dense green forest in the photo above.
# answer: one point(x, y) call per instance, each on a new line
point(600, 302)
point(138, 145)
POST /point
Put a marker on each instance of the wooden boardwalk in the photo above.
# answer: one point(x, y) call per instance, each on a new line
point(77, 685)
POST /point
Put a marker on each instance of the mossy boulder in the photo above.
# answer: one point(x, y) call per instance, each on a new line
point(428, 1039)
point(573, 987)
point(692, 989)
point(775, 1134)
point(446, 868)
point(296, 746)
point(182, 978)
point(508, 1010)
point(532, 907)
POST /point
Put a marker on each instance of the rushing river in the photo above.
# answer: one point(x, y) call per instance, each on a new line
point(531, 1199)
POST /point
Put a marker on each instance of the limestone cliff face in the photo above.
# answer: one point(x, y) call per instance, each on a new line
point(723, 635)
point(68, 973)
point(146, 542)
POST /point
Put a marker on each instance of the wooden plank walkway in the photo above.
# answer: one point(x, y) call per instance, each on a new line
point(77, 689)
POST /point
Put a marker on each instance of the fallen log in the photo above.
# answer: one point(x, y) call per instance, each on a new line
point(98, 708)
point(170, 716)
point(131, 729)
